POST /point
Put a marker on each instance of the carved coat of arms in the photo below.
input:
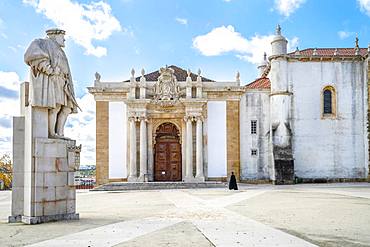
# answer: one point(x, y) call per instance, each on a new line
point(166, 89)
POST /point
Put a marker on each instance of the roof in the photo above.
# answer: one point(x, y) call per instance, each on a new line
point(180, 74)
point(260, 83)
point(330, 52)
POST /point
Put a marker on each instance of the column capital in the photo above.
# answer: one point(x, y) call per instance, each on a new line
point(199, 118)
point(132, 118)
point(189, 117)
point(143, 118)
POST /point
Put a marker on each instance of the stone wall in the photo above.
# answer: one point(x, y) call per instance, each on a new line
point(255, 105)
point(368, 115)
point(102, 142)
point(329, 147)
point(233, 141)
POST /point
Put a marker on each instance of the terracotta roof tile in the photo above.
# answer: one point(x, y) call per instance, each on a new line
point(260, 83)
point(180, 74)
point(330, 52)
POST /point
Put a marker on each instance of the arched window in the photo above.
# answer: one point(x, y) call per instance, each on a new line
point(328, 102)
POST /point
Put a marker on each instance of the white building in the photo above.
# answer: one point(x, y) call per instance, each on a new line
point(304, 119)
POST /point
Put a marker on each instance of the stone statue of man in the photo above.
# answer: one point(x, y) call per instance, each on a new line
point(51, 84)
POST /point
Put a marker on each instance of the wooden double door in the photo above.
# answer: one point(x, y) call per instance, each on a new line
point(167, 154)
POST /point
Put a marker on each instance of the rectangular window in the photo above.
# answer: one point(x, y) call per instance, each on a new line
point(254, 152)
point(254, 127)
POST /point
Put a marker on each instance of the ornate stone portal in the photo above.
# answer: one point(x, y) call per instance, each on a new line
point(168, 97)
point(44, 160)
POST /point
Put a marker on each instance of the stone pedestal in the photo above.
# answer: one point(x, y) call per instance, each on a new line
point(46, 191)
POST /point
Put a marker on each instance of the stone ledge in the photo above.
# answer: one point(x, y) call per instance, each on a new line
point(329, 180)
point(31, 220)
point(157, 186)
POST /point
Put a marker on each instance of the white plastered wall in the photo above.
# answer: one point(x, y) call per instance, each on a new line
point(255, 105)
point(324, 147)
point(216, 143)
point(117, 140)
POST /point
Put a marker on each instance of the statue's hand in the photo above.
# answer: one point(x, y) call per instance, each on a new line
point(56, 71)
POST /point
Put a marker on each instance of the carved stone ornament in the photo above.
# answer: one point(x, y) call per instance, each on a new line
point(166, 89)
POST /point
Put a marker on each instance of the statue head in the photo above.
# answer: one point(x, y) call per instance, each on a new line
point(57, 35)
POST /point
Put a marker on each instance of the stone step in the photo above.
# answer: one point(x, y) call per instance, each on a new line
point(117, 186)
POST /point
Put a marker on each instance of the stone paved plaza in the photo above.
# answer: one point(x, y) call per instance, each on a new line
point(256, 215)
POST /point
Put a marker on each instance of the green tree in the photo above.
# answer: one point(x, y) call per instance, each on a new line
point(6, 174)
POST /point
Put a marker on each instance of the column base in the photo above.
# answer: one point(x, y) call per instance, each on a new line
point(143, 178)
point(189, 180)
point(200, 179)
point(31, 220)
point(132, 179)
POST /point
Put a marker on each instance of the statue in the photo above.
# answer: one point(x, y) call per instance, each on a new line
point(51, 84)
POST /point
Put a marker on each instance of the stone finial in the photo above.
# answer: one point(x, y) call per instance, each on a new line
point(368, 48)
point(297, 51)
point(314, 52)
point(189, 72)
point(199, 78)
point(238, 76)
point(335, 52)
point(97, 77)
point(357, 47)
point(133, 72)
point(278, 30)
point(142, 72)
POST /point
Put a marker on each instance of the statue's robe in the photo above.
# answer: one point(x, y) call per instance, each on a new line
point(50, 75)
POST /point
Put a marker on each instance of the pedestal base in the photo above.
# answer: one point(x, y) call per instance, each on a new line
point(32, 220)
point(15, 219)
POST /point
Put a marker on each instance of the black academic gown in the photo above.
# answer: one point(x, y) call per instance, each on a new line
point(232, 183)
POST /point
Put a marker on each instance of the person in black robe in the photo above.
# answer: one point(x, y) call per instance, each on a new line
point(232, 182)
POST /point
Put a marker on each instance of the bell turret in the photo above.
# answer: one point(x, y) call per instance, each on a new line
point(279, 43)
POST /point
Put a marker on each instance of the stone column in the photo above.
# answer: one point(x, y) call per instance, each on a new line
point(133, 173)
point(189, 150)
point(143, 149)
point(199, 150)
point(150, 150)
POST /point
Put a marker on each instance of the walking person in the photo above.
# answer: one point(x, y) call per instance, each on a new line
point(232, 183)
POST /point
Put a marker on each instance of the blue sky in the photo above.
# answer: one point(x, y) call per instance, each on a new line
point(220, 37)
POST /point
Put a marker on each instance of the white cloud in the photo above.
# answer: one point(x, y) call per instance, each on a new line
point(182, 21)
point(287, 7)
point(220, 40)
point(2, 27)
point(9, 107)
point(84, 23)
point(344, 34)
point(81, 127)
point(365, 6)
point(9, 80)
point(223, 39)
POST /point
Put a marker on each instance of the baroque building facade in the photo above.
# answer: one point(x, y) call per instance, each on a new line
point(304, 119)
